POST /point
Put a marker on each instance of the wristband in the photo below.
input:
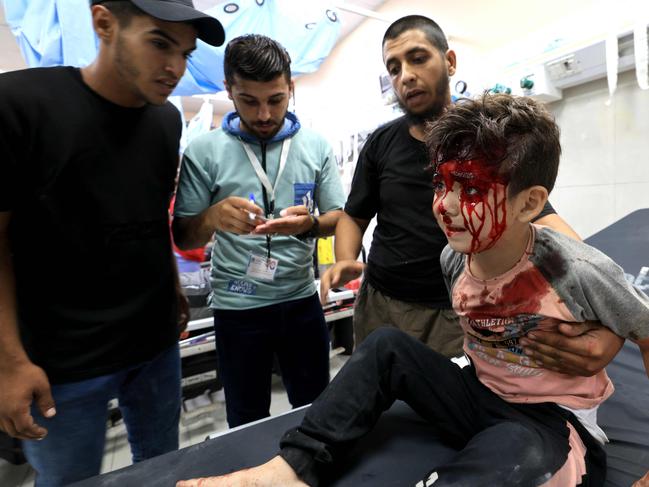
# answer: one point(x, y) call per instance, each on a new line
point(312, 232)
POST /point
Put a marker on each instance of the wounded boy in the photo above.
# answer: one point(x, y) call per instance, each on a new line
point(512, 421)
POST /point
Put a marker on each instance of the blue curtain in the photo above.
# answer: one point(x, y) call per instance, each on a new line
point(59, 32)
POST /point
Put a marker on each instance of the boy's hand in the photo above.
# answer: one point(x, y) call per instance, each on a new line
point(274, 473)
point(581, 349)
point(338, 275)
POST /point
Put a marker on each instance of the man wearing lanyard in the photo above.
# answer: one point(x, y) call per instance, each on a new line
point(255, 182)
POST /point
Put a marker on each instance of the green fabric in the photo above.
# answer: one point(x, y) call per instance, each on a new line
point(215, 167)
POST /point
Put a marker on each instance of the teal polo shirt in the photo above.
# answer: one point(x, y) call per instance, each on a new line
point(214, 167)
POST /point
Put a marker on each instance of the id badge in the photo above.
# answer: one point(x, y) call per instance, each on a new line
point(262, 268)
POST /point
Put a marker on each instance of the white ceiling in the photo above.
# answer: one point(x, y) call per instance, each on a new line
point(348, 20)
point(473, 22)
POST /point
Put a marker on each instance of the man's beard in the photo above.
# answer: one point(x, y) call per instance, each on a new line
point(441, 96)
point(127, 69)
point(250, 128)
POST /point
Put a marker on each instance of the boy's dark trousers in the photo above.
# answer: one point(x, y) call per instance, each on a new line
point(498, 443)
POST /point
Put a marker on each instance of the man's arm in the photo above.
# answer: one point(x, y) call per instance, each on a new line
point(328, 197)
point(328, 221)
point(21, 382)
point(296, 220)
point(349, 237)
point(347, 246)
point(557, 223)
point(181, 299)
point(363, 199)
point(195, 218)
point(577, 348)
point(581, 349)
point(233, 214)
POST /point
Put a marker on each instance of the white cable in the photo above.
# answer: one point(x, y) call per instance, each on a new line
point(612, 59)
point(641, 51)
point(355, 9)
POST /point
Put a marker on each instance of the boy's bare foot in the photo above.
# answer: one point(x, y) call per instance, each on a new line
point(274, 473)
point(643, 482)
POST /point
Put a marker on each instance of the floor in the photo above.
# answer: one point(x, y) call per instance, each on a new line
point(207, 416)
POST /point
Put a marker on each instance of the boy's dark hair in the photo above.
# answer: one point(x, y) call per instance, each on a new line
point(514, 132)
point(434, 33)
point(123, 11)
point(256, 58)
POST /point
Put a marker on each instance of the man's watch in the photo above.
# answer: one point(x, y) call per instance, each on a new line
point(312, 232)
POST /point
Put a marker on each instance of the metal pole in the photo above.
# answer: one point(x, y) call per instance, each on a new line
point(362, 11)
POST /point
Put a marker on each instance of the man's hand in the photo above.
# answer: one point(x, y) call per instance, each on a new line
point(338, 275)
point(581, 349)
point(20, 384)
point(274, 473)
point(294, 220)
point(235, 215)
point(183, 313)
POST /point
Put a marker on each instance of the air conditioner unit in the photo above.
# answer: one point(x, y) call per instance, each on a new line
point(589, 63)
point(545, 81)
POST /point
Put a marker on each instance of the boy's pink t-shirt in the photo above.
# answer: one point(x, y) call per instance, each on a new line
point(495, 313)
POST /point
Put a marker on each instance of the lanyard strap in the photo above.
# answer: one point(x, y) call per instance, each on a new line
point(261, 173)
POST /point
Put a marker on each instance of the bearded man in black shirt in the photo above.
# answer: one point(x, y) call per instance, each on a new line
point(402, 284)
point(89, 304)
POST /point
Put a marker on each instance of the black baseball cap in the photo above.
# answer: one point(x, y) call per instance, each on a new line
point(209, 28)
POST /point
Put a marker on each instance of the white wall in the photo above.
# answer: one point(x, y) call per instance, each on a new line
point(344, 95)
point(604, 173)
point(604, 170)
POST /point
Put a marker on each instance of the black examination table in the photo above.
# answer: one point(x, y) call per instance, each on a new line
point(402, 448)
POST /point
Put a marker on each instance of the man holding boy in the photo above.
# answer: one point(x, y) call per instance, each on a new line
point(256, 182)
point(495, 162)
point(402, 283)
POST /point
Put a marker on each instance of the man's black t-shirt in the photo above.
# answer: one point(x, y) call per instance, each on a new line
point(391, 182)
point(88, 185)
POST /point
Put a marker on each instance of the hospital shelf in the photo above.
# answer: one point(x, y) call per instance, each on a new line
point(197, 349)
point(339, 315)
point(200, 324)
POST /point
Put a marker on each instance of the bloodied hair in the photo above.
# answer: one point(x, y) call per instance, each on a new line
point(515, 133)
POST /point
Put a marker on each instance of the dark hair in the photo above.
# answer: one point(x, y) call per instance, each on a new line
point(257, 58)
point(516, 133)
point(123, 11)
point(433, 32)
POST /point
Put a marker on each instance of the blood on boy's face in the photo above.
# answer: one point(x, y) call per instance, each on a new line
point(470, 204)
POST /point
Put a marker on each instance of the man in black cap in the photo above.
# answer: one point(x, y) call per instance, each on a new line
point(89, 303)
